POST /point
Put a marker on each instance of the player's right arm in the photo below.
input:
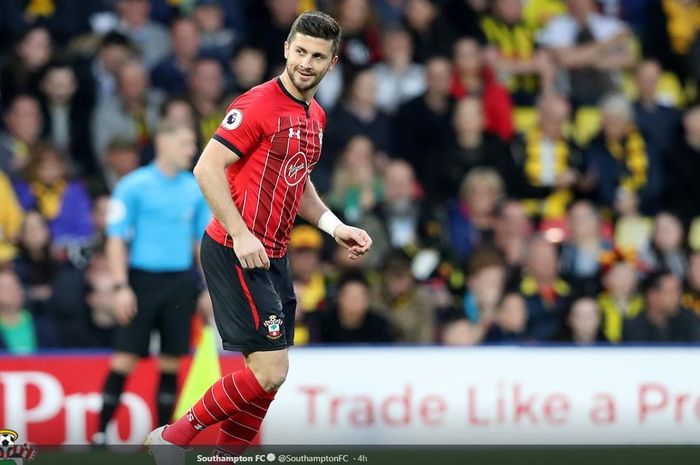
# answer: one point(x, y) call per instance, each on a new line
point(211, 176)
point(120, 224)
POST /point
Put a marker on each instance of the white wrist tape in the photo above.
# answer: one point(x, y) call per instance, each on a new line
point(328, 222)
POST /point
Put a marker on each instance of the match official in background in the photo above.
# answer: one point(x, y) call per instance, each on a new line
point(156, 218)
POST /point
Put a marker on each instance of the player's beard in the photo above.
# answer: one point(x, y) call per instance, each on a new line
point(300, 85)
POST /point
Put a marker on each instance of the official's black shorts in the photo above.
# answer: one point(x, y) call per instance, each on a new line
point(166, 302)
point(254, 309)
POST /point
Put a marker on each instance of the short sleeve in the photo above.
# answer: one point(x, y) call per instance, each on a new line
point(122, 211)
point(240, 130)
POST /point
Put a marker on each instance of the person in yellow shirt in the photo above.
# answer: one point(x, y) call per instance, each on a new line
point(11, 216)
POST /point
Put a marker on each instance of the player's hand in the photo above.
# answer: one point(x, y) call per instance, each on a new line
point(250, 251)
point(356, 240)
point(125, 305)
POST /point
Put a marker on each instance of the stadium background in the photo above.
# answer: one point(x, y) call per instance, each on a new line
point(527, 183)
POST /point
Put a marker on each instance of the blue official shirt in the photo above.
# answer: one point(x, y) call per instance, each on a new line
point(160, 216)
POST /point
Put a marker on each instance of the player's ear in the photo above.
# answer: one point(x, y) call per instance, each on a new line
point(286, 49)
point(334, 61)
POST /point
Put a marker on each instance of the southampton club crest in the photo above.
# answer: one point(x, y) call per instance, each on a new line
point(274, 327)
point(11, 452)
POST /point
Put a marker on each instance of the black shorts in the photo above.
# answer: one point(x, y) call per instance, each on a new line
point(254, 309)
point(166, 302)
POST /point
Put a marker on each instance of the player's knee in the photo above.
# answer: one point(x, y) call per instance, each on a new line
point(271, 374)
point(168, 363)
point(122, 362)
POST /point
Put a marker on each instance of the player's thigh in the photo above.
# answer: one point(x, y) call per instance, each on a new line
point(175, 318)
point(281, 275)
point(247, 309)
point(135, 337)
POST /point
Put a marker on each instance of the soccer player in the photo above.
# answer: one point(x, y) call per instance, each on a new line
point(156, 217)
point(255, 176)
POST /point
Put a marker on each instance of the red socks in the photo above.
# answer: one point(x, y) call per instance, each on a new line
point(238, 396)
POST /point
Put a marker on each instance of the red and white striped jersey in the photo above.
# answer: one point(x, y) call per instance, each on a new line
point(278, 139)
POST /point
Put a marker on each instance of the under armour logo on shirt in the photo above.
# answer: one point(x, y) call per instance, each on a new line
point(296, 134)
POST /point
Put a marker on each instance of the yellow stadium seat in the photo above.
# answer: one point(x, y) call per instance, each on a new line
point(525, 118)
point(587, 123)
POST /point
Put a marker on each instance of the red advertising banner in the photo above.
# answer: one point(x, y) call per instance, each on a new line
point(56, 399)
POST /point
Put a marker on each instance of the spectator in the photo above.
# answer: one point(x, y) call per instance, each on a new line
point(667, 250)
point(468, 148)
point(100, 209)
point(486, 275)
point(546, 294)
point(663, 319)
point(403, 301)
point(62, 201)
point(352, 320)
point(400, 219)
point(583, 323)
point(432, 34)
point(620, 158)
point(305, 243)
point(619, 300)
point(421, 123)
point(10, 220)
point(132, 113)
point(683, 164)
point(100, 299)
point(583, 252)
point(308, 326)
point(464, 16)
point(590, 47)
point(473, 78)
point(170, 74)
point(471, 219)
point(513, 54)
point(21, 73)
point(121, 158)
point(510, 321)
point(671, 35)
point(98, 76)
point(66, 125)
point(512, 229)
point(659, 124)
point(20, 331)
point(361, 44)
point(247, 70)
point(35, 265)
point(632, 230)
point(398, 78)
point(458, 331)
point(216, 40)
point(270, 29)
point(206, 87)
point(358, 114)
point(179, 110)
point(23, 127)
point(550, 161)
point(152, 38)
point(356, 187)
point(691, 295)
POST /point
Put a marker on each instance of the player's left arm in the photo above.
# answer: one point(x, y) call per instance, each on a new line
point(313, 210)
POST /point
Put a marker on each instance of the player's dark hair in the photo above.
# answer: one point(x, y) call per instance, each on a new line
point(317, 24)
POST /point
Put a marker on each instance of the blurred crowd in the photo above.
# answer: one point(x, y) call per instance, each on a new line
point(529, 170)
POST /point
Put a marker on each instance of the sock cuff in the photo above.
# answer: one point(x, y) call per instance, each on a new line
point(250, 379)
